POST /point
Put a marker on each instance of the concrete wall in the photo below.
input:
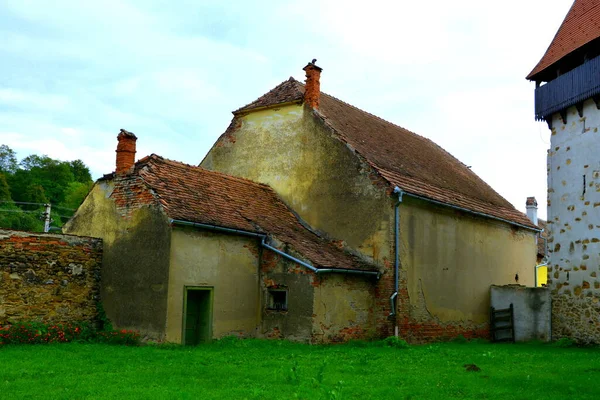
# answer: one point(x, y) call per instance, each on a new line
point(135, 264)
point(48, 278)
point(449, 260)
point(314, 172)
point(531, 310)
point(226, 263)
point(574, 224)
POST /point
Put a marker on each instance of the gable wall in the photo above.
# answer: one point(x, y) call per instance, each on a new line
point(135, 263)
point(316, 174)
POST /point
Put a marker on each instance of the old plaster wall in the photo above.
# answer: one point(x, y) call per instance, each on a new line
point(449, 260)
point(314, 172)
point(226, 263)
point(574, 224)
point(48, 278)
point(295, 322)
point(325, 308)
point(344, 308)
point(136, 237)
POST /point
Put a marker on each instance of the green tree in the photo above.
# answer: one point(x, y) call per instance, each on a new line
point(80, 171)
point(8, 159)
point(39, 180)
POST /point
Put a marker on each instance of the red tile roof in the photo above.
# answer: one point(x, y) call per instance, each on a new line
point(413, 163)
point(194, 194)
point(581, 26)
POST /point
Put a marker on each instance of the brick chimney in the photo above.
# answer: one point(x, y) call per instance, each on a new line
point(125, 151)
point(531, 206)
point(312, 89)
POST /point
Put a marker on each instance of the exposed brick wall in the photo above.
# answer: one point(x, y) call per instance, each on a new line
point(131, 193)
point(49, 278)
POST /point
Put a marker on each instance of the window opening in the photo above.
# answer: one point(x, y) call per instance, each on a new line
point(277, 299)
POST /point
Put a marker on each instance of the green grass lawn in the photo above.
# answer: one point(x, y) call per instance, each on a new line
point(253, 369)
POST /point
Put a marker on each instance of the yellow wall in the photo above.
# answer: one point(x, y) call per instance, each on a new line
point(343, 308)
point(227, 263)
point(542, 276)
point(314, 172)
point(451, 258)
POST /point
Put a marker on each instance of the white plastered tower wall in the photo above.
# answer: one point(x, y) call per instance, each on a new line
point(574, 222)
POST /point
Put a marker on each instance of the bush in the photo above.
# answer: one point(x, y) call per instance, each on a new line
point(393, 341)
point(123, 337)
point(40, 333)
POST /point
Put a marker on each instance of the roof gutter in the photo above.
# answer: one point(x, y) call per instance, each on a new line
point(263, 243)
point(416, 196)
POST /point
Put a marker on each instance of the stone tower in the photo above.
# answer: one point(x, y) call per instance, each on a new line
point(567, 97)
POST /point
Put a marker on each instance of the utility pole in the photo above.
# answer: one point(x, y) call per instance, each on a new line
point(47, 217)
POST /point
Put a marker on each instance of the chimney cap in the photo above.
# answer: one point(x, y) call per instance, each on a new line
point(531, 201)
point(126, 133)
point(312, 65)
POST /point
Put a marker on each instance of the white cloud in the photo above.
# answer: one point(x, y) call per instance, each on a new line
point(73, 73)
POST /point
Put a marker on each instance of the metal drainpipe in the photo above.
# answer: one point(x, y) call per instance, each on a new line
point(264, 244)
point(394, 295)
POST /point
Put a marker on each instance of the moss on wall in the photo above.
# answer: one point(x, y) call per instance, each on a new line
point(136, 258)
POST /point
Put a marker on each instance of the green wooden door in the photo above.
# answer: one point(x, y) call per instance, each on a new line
point(198, 316)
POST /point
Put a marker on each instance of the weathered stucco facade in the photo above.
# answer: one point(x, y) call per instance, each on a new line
point(48, 278)
point(135, 265)
point(574, 223)
point(448, 258)
point(187, 282)
point(317, 175)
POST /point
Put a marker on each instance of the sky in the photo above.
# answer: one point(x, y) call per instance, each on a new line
point(72, 73)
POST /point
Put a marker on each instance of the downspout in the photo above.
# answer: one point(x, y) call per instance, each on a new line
point(394, 296)
point(263, 243)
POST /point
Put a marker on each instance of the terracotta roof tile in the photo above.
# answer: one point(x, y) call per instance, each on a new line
point(194, 194)
point(287, 92)
point(413, 163)
point(581, 26)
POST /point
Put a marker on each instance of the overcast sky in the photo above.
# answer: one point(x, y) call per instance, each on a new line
point(72, 73)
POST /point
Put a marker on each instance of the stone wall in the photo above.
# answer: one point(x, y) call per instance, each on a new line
point(49, 278)
point(574, 224)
